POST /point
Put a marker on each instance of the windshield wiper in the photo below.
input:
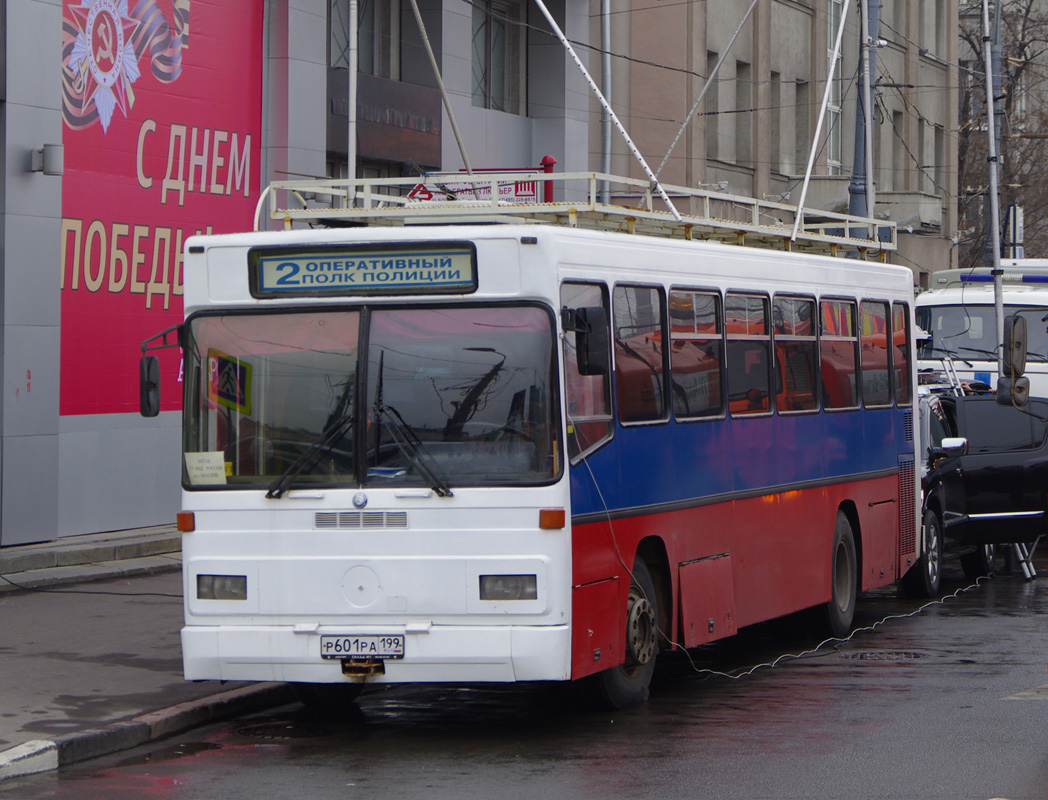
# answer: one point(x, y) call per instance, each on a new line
point(410, 445)
point(310, 457)
point(944, 351)
point(980, 351)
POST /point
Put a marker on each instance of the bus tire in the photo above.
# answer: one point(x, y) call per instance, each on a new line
point(627, 684)
point(980, 562)
point(327, 699)
point(839, 612)
point(925, 577)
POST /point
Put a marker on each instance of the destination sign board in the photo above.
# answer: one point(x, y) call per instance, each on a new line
point(443, 268)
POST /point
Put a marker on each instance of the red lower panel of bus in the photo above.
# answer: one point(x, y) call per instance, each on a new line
point(727, 565)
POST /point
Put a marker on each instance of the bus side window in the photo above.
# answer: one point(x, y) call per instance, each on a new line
point(837, 346)
point(749, 354)
point(901, 353)
point(696, 354)
point(876, 385)
point(588, 397)
point(794, 319)
point(639, 314)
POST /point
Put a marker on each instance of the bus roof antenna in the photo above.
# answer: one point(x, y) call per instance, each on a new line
point(607, 108)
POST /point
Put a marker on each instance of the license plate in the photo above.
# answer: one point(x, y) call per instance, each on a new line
point(363, 648)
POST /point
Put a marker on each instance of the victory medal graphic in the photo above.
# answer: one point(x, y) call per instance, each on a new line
point(104, 57)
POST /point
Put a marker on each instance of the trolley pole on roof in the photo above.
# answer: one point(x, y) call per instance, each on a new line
point(830, 74)
point(995, 211)
point(608, 109)
point(351, 143)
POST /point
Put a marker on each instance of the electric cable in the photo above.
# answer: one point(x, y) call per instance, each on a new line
point(45, 590)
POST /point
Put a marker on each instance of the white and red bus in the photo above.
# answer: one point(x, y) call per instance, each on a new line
point(525, 452)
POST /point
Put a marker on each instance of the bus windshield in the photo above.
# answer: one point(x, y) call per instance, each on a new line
point(969, 333)
point(453, 396)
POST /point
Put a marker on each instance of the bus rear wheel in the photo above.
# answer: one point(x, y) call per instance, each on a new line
point(838, 613)
point(627, 684)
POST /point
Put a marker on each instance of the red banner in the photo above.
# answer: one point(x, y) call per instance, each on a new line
point(162, 108)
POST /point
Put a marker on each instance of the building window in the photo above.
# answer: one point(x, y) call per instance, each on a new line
point(743, 114)
point(776, 122)
point(712, 110)
point(378, 36)
point(802, 143)
point(499, 55)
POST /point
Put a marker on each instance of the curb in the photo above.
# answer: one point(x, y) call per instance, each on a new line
point(83, 573)
point(42, 755)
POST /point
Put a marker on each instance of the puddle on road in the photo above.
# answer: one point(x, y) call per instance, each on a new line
point(171, 752)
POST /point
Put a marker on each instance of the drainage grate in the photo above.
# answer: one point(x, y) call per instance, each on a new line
point(883, 656)
point(284, 729)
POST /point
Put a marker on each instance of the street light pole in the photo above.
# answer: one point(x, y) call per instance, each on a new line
point(995, 211)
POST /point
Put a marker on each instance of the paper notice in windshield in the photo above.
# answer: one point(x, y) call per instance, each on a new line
point(206, 469)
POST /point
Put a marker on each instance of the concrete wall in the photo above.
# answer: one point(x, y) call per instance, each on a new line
point(29, 475)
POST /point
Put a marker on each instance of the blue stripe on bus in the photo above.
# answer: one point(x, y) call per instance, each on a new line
point(654, 465)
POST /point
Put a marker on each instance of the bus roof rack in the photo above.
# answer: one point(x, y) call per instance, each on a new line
point(591, 200)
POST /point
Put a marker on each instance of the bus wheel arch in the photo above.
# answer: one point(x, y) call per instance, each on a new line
point(627, 684)
point(652, 551)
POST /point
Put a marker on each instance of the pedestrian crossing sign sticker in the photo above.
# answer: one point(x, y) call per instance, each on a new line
point(229, 381)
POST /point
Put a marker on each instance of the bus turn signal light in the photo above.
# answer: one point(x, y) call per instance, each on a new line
point(186, 522)
point(551, 519)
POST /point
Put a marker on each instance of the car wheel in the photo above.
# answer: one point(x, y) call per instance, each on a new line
point(980, 562)
point(925, 577)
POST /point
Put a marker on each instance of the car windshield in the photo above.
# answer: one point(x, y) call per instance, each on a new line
point(453, 396)
point(969, 332)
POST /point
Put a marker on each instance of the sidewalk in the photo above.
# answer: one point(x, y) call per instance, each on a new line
point(90, 658)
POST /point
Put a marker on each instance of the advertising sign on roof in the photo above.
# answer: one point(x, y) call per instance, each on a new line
point(440, 187)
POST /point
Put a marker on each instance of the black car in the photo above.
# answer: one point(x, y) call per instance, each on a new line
point(984, 480)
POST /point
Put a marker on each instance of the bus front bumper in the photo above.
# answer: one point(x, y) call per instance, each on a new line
point(432, 654)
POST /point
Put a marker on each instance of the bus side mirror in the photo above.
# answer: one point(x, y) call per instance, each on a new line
point(1014, 345)
point(592, 340)
point(1013, 392)
point(149, 386)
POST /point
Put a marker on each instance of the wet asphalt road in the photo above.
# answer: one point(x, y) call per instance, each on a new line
point(951, 702)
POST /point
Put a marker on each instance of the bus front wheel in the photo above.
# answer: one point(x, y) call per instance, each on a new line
point(627, 684)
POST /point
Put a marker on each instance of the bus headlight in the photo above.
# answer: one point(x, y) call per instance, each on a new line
point(508, 587)
point(221, 587)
